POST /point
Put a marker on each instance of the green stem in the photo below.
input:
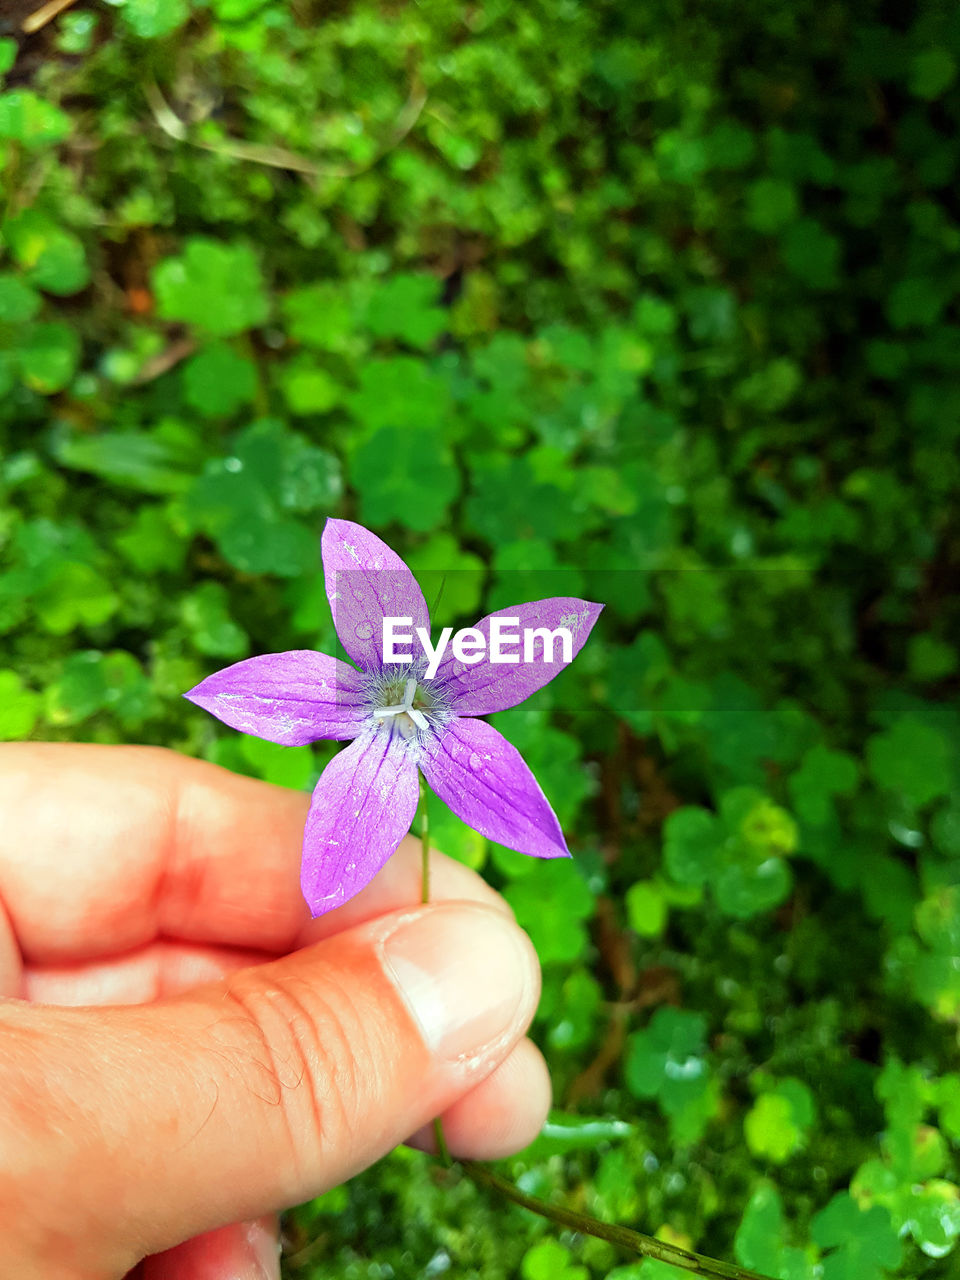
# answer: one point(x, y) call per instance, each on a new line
point(634, 1241)
point(424, 844)
point(438, 1134)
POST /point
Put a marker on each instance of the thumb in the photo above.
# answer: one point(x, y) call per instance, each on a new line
point(138, 1127)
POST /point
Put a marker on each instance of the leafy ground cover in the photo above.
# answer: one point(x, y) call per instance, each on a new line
point(656, 303)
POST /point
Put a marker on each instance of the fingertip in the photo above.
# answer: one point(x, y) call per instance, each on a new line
point(502, 1115)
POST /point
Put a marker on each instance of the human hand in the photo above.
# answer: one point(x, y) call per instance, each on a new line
point(232, 1056)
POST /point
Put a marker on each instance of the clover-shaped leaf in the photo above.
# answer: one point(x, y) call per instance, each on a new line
point(911, 759)
point(739, 853)
point(31, 120)
point(667, 1061)
point(405, 475)
point(823, 774)
point(760, 1240)
point(216, 287)
point(52, 257)
point(217, 381)
point(405, 307)
point(777, 1125)
point(864, 1242)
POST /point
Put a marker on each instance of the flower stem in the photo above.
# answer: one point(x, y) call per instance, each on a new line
point(634, 1241)
point(424, 844)
point(438, 1134)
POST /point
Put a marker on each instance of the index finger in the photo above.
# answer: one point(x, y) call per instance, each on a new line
point(105, 848)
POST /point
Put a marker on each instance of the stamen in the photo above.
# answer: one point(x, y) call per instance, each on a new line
point(410, 719)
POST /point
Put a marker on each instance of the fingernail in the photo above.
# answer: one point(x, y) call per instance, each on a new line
point(468, 976)
point(264, 1250)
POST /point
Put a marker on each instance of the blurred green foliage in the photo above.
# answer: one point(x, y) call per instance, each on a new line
point(656, 303)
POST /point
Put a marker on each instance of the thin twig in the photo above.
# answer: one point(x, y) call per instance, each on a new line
point(279, 157)
point(634, 1241)
point(46, 13)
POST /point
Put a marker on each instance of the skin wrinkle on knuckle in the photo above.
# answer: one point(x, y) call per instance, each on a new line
point(295, 1049)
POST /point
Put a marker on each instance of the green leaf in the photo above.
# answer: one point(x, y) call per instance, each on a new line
point(864, 1241)
point(509, 502)
point(574, 1023)
point(667, 1061)
point(48, 357)
point(771, 204)
point(777, 1125)
point(562, 1133)
point(401, 392)
point(52, 257)
point(911, 759)
point(241, 500)
point(405, 307)
point(452, 835)
point(322, 316)
point(308, 387)
point(74, 596)
point(80, 690)
point(646, 908)
point(216, 287)
point(205, 613)
point(557, 934)
point(146, 463)
point(405, 476)
point(759, 1239)
point(452, 579)
point(928, 656)
point(19, 707)
point(823, 774)
point(150, 544)
point(743, 891)
point(18, 302)
point(270, 545)
point(812, 253)
point(549, 1260)
point(8, 54)
point(932, 72)
point(283, 766)
point(151, 19)
point(691, 844)
point(217, 381)
point(29, 120)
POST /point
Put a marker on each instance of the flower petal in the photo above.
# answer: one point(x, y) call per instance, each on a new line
point(487, 686)
point(367, 582)
point(361, 809)
point(291, 698)
point(485, 781)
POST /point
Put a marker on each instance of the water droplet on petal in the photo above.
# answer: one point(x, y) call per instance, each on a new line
point(475, 762)
point(363, 630)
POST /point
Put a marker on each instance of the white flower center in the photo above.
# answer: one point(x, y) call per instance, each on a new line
point(408, 718)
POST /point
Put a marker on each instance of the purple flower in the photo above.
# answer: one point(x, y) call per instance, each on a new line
point(398, 720)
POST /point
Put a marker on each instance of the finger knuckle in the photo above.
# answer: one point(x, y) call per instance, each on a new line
point(299, 1048)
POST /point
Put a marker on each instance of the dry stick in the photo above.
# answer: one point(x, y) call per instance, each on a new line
point(634, 1241)
point(279, 157)
point(46, 13)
